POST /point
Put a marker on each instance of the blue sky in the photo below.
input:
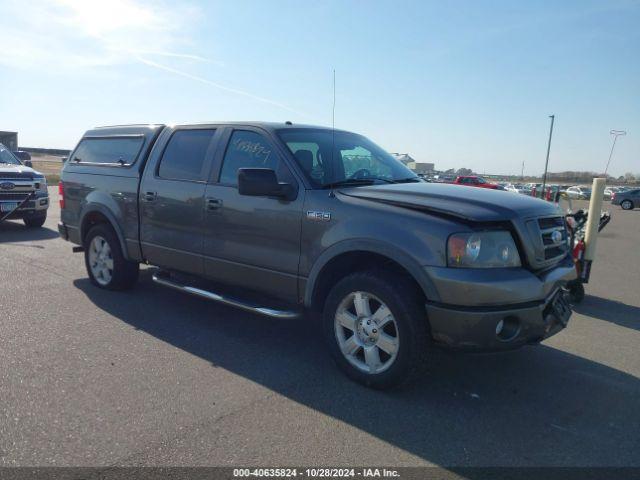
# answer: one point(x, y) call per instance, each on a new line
point(455, 83)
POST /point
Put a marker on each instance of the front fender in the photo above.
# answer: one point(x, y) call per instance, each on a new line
point(372, 246)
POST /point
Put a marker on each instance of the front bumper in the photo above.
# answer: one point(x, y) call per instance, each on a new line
point(33, 207)
point(474, 302)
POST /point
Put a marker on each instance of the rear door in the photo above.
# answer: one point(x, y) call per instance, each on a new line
point(252, 242)
point(172, 199)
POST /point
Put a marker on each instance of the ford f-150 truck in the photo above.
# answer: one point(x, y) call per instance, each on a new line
point(281, 219)
point(23, 191)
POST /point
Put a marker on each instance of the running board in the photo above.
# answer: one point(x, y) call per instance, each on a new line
point(269, 312)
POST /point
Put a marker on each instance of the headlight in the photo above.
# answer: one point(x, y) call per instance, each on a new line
point(490, 249)
point(41, 183)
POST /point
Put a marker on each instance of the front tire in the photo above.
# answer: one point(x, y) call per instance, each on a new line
point(35, 221)
point(376, 328)
point(106, 265)
point(627, 205)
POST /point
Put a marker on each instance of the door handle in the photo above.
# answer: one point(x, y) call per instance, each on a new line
point(213, 203)
point(150, 196)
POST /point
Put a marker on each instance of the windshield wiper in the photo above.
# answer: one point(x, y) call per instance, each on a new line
point(349, 182)
point(357, 181)
point(408, 180)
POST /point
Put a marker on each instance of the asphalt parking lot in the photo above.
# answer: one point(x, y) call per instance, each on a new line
point(155, 377)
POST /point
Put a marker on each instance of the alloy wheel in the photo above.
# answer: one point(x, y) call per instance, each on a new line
point(100, 260)
point(367, 332)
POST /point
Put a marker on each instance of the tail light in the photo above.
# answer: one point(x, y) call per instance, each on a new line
point(613, 196)
point(61, 193)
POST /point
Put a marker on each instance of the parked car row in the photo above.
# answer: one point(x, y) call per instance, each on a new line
point(626, 197)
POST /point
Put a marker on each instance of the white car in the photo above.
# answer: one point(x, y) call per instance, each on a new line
point(517, 188)
point(579, 193)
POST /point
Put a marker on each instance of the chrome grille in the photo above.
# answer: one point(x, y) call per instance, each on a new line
point(13, 196)
point(555, 246)
point(22, 187)
point(19, 184)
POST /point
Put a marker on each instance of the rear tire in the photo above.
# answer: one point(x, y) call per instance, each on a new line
point(626, 205)
point(35, 221)
point(106, 265)
point(380, 348)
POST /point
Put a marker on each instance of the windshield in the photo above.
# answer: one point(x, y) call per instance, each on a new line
point(7, 157)
point(352, 158)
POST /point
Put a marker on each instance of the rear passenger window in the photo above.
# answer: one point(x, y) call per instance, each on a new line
point(185, 154)
point(108, 150)
point(249, 150)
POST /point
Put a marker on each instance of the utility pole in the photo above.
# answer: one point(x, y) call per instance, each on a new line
point(522, 171)
point(546, 165)
point(616, 134)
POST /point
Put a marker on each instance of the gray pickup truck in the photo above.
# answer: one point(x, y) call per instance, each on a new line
point(282, 219)
point(23, 191)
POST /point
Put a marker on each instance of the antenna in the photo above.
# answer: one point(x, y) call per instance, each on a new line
point(333, 112)
point(333, 131)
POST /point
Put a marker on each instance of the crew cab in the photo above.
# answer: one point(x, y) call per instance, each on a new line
point(473, 181)
point(282, 219)
point(23, 191)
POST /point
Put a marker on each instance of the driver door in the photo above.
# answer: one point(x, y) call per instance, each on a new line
point(253, 242)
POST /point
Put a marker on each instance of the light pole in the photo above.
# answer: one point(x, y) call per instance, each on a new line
point(546, 165)
point(616, 134)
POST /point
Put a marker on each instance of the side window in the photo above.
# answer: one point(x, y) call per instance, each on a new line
point(108, 150)
point(185, 154)
point(248, 149)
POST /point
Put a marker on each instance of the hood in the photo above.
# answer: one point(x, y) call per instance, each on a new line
point(20, 169)
point(472, 204)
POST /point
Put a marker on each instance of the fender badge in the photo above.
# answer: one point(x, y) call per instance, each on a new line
point(318, 216)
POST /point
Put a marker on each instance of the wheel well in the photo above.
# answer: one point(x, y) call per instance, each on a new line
point(350, 262)
point(90, 220)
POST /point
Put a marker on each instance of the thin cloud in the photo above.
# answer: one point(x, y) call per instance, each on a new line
point(206, 81)
point(82, 34)
point(184, 56)
point(75, 34)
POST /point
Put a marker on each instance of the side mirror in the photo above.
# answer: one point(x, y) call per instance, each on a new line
point(262, 182)
point(27, 163)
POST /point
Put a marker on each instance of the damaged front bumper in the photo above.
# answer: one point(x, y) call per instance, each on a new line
point(537, 309)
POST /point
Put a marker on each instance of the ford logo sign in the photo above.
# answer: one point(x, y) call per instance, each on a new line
point(556, 236)
point(7, 186)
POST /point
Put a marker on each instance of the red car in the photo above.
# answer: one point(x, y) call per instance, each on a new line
point(472, 181)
